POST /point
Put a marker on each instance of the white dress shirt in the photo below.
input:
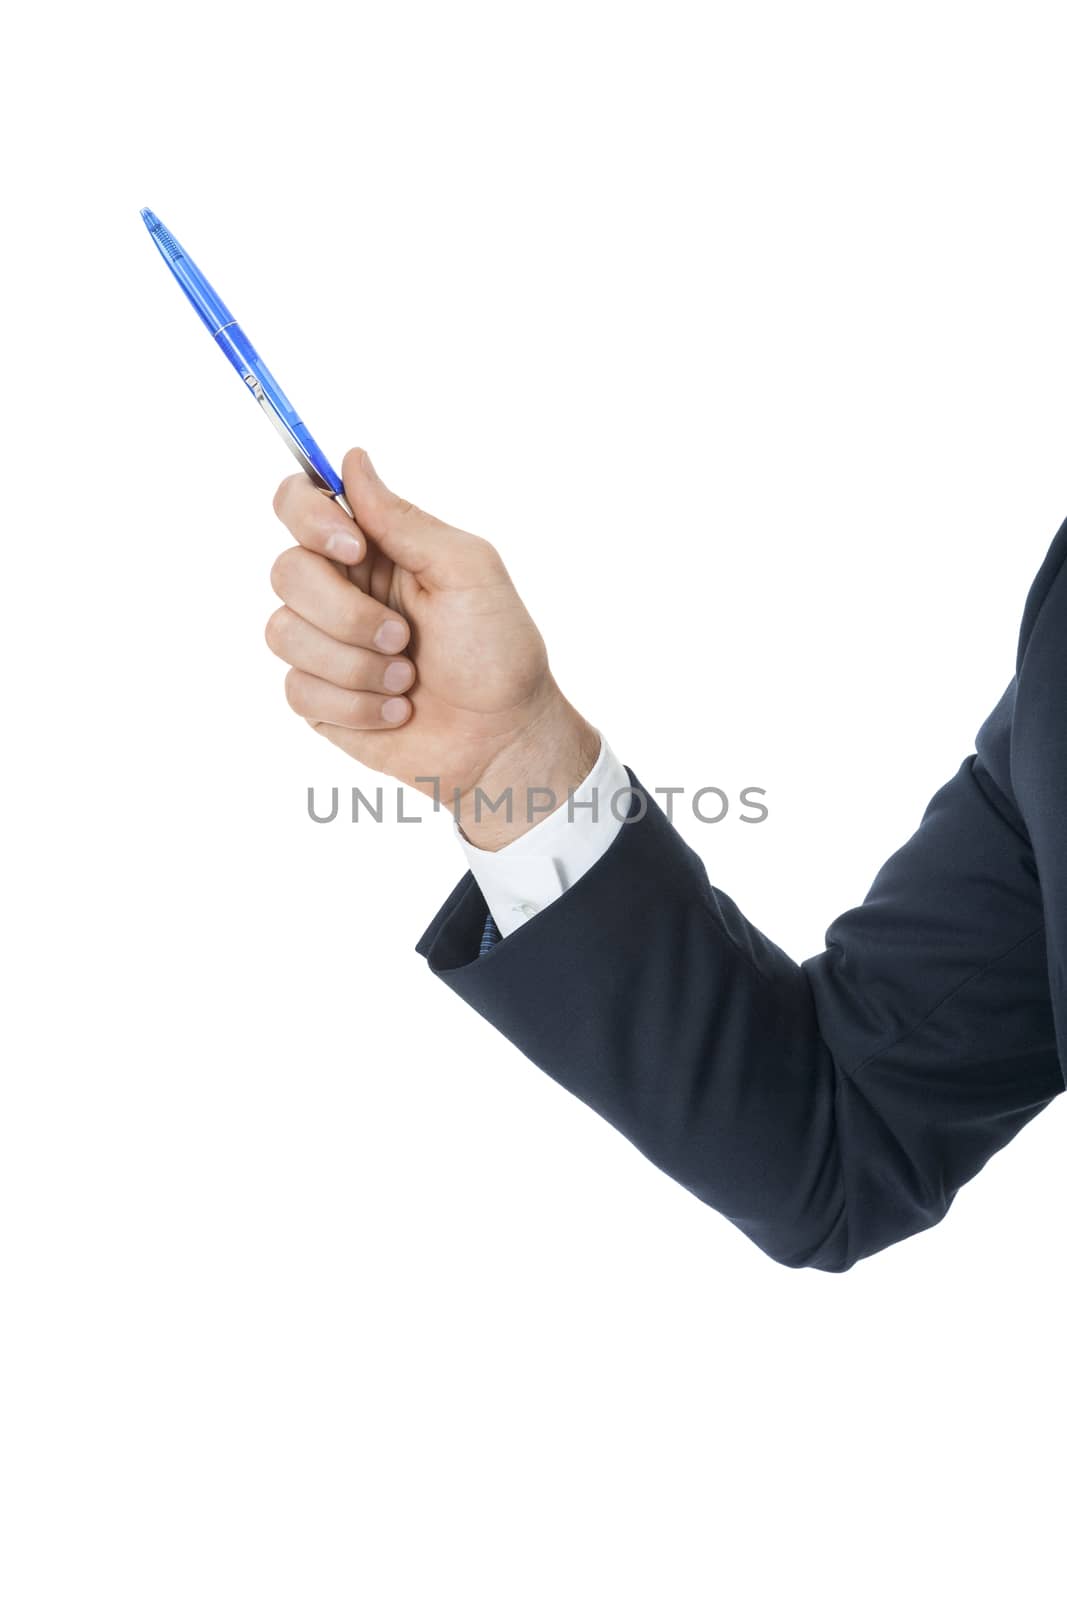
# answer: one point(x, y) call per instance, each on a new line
point(526, 875)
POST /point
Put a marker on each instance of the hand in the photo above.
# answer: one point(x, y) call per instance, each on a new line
point(410, 649)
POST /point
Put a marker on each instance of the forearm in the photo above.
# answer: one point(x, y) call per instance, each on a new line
point(827, 1108)
point(644, 992)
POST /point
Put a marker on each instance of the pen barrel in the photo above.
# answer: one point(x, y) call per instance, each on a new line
point(212, 311)
point(238, 349)
point(242, 353)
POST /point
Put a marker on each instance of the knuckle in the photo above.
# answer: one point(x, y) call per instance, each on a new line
point(352, 618)
point(481, 559)
point(484, 550)
point(281, 572)
point(294, 691)
point(283, 494)
point(277, 630)
point(353, 675)
point(353, 713)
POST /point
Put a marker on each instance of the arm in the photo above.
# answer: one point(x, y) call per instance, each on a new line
point(827, 1108)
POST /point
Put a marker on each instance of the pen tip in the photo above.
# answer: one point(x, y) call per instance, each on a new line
point(150, 219)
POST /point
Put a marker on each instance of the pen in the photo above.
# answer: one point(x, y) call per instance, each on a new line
point(239, 350)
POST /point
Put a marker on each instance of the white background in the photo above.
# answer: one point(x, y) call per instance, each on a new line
point(741, 331)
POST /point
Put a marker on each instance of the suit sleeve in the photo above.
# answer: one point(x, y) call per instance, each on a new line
point(828, 1108)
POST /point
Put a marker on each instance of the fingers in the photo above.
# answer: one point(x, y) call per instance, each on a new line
point(317, 522)
point(320, 594)
point(434, 551)
point(319, 701)
point(347, 666)
point(440, 555)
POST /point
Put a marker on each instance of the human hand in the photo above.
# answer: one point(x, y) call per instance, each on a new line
point(410, 648)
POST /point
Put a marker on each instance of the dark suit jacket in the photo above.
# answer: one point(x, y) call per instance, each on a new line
point(832, 1107)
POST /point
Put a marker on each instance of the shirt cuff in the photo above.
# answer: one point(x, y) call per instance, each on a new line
point(533, 870)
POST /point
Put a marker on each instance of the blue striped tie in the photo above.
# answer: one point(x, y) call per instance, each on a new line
point(490, 937)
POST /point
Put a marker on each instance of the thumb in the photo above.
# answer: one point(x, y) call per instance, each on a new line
point(424, 545)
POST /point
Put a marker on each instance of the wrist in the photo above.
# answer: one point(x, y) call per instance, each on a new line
point(531, 779)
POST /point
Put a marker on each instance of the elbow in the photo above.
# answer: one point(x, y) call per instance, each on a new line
point(853, 1238)
point(874, 1183)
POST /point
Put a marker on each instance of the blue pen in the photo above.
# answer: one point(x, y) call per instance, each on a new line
point(239, 350)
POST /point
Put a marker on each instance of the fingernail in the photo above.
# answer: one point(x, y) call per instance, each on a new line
point(394, 710)
point(390, 636)
point(397, 675)
point(343, 547)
